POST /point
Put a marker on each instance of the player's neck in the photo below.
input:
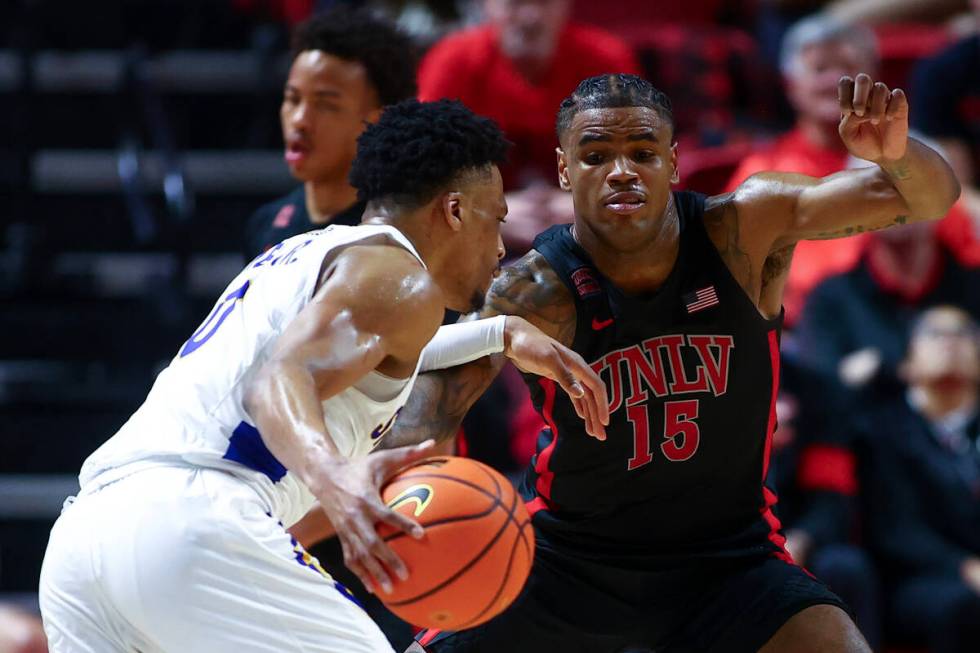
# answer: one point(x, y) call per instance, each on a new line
point(325, 199)
point(415, 227)
point(820, 134)
point(635, 271)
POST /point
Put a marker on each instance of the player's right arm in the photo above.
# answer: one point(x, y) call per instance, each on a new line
point(355, 323)
point(530, 289)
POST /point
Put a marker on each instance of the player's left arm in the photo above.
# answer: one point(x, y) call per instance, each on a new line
point(911, 181)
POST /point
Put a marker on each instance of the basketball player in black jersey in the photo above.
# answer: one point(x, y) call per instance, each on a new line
point(658, 534)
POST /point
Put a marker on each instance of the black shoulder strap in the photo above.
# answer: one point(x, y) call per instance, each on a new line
point(574, 267)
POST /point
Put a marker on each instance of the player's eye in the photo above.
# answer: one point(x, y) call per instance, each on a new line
point(645, 155)
point(593, 158)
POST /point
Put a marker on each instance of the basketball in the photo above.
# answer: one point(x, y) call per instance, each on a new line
point(477, 549)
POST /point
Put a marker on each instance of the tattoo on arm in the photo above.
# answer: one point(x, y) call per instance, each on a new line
point(531, 289)
point(722, 219)
point(899, 170)
point(776, 265)
point(439, 401)
point(859, 229)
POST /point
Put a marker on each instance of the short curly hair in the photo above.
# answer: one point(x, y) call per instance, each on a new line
point(388, 55)
point(418, 148)
point(609, 92)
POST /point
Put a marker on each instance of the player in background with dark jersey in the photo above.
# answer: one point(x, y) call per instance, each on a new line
point(659, 533)
point(347, 65)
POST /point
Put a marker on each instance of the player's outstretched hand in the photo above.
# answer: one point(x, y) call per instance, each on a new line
point(874, 123)
point(536, 353)
point(350, 494)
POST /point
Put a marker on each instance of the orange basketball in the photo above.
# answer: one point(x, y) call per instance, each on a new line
point(478, 545)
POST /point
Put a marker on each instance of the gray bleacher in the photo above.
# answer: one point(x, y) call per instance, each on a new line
point(126, 179)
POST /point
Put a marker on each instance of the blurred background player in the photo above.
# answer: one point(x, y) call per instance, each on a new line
point(347, 65)
point(923, 485)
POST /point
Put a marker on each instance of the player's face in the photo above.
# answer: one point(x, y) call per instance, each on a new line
point(812, 84)
point(619, 165)
point(480, 246)
point(946, 346)
point(326, 105)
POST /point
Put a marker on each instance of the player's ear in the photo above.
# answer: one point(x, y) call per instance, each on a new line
point(675, 176)
point(563, 170)
point(451, 210)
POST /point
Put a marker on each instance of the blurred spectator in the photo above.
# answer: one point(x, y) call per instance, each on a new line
point(813, 472)
point(20, 632)
point(816, 53)
point(923, 486)
point(856, 324)
point(895, 11)
point(347, 66)
point(517, 68)
point(947, 95)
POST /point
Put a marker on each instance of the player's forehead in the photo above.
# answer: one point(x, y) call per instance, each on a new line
point(319, 69)
point(619, 123)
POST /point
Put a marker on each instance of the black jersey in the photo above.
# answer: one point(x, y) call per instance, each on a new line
point(286, 217)
point(692, 372)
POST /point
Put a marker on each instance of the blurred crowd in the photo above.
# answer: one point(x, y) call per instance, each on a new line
point(877, 456)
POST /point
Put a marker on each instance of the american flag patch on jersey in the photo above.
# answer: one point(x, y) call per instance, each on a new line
point(700, 299)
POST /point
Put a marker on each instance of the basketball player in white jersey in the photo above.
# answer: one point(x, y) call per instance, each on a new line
point(177, 541)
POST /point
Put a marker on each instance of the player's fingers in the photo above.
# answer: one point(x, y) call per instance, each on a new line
point(399, 521)
point(879, 100)
point(352, 550)
point(375, 570)
point(561, 372)
point(862, 94)
point(380, 549)
point(595, 389)
point(387, 462)
point(592, 425)
point(898, 104)
point(845, 94)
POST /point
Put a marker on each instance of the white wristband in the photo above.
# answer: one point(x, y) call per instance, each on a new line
point(456, 344)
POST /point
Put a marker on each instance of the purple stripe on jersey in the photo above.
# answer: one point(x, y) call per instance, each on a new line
point(247, 448)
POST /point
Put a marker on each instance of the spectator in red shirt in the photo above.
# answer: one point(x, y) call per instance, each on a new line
point(516, 68)
point(817, 51)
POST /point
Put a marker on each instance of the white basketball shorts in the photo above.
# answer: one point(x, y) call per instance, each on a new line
point(182, 559)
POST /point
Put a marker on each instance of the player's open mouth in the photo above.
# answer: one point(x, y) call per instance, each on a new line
point(626, 202)
point(296, 152)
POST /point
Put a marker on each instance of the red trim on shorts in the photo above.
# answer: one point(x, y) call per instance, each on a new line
point(541, 465)
point(534, 506)
point(430, 634)
point(828, 467)
point(768, 497)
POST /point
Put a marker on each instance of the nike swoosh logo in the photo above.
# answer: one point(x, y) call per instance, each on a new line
point(599, 326)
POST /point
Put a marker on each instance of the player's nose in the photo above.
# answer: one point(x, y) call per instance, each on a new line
point(622, 172)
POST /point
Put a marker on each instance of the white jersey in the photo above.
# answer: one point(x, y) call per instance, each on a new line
point(194, 413)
